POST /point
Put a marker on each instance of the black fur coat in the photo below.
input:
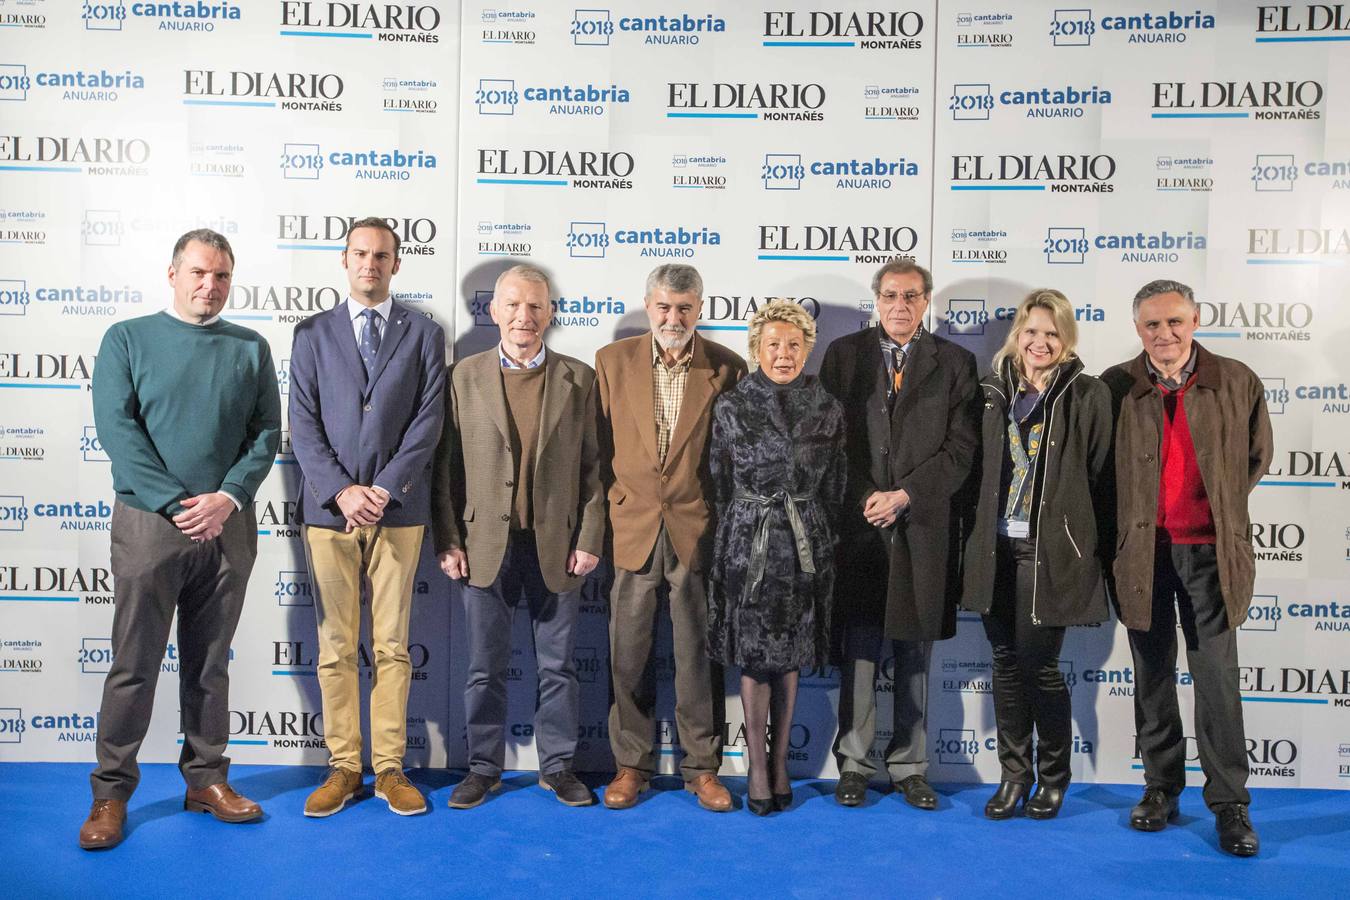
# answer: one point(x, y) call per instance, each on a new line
point(768, 441)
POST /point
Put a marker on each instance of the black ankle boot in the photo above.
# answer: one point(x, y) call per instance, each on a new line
point(1044, 802)
point(1003, 805)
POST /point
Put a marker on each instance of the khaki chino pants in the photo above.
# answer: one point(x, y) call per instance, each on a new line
point(337, 559)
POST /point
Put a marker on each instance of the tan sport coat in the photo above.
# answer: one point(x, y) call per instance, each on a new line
point(642, 492)
point(475, 473)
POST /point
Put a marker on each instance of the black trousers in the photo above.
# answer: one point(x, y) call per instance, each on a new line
point(1186, 589)
point(1029, 689)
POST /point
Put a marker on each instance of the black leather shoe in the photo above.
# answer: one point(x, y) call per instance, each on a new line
point(782, 802)
point(1154, 810)
point(851, 789)
point(760, 807)
point(1236, 835)
point(918, 792)
point(473, 790)
point(568, 787)
point(1003, 805)
point(1044, 802)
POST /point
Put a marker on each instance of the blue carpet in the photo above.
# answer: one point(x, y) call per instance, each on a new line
point(523, 843)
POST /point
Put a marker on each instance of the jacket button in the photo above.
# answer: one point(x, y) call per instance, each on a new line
point(1141, 525)
point(366, 407)
point(1148, 457)
point(665, 506)
point(510, 484)
point(885, 450)
point(505, 517)
point(665, 478)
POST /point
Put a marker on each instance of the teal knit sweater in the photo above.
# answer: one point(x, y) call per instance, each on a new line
point(184, 410)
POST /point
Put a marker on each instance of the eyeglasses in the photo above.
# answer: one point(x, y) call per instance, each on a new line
point(907, 296)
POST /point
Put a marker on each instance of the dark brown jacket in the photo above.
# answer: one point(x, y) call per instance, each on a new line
point(644, 492)
point(1226, 412)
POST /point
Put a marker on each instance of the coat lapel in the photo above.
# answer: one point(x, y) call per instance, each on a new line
point(698, 390)
point(339, 325)
point(485, 369)
point(394, 332)
point(638, 393)
point(558, 384)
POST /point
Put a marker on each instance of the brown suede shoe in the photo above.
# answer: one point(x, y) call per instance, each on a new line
point(394, 788)
point(103, 828)
point(339, 787)
point(711, 793)
point(622, 792)
point(221, 801)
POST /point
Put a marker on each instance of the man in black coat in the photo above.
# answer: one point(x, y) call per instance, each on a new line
point(911, 415)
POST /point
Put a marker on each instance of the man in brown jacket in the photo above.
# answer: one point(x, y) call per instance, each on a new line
point(656, 396)
point(1192, 440)
point(518, 515)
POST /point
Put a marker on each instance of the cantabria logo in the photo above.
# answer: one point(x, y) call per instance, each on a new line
point(592, 239)
point(1062, 174)
point(412, 95)
point(80, 85)
point(296, 231)
point(1071, 245)
point(698, 171)
point(90, 155)
point(984, 30)
point(771, 102)
point(975, 102)
point(1261, 100)
point(591, 170)
point(17, 298)
point(500, 97)
point(1076, 28)
point(508, 26)
point(595, 28)
point(307, 162)
point(1184, 173)
point(822, 29)
point(1302, 23)
point(272, 90)
point(1329, 397)
point(787, 171)
point(836, 243)
point(180, 15)
point(882, 103)
point(1282, 172)
point(400, 23)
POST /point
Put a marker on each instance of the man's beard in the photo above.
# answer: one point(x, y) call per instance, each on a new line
point(672, 342)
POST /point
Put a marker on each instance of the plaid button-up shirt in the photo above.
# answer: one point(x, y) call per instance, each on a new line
point(667, 392)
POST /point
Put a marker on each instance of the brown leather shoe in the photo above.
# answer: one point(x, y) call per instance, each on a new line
point(103, 828)
point(221, 801)
point(328, 798)
point(394, 788)
point(622, 792)
point(712, 794)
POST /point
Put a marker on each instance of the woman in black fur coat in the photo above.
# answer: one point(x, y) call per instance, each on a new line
point(778, 470)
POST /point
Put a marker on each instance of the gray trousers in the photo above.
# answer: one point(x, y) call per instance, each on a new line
point(553, 618)
point(907, 751)
point(157, 570)
point(633, 608)
point(1186, 592)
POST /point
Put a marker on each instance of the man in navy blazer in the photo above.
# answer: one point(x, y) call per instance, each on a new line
point(366, 406)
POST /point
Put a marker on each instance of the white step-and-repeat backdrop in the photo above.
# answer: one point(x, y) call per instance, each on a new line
point(785, 150)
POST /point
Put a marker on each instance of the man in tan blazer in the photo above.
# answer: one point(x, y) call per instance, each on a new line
point(518, 514)
point(656, 396)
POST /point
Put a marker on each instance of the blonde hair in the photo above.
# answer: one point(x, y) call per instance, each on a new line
point(1061, 313)
point(781, 311)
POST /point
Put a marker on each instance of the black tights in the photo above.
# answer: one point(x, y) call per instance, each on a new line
point(763, 695)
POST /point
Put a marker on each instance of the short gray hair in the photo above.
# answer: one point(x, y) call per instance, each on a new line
point(1161, 286)
point(677, 278)
point(902, 267)
point(213, 239)
point(525, 272)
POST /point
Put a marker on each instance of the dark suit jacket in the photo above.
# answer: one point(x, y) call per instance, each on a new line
point(925, 445)
point(642, 491)
point(350, 429)
point(475, 472)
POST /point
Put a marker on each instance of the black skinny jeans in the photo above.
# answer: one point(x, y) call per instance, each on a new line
point(1029, 689)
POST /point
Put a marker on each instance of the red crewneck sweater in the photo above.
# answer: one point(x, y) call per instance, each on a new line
point(1184, 516)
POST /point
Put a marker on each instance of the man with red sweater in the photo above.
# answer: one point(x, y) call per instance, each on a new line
point(1192, 439)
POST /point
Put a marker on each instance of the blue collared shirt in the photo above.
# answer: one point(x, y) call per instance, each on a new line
point(509, 363)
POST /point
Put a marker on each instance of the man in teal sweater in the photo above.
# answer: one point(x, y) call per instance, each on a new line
point(186, 407)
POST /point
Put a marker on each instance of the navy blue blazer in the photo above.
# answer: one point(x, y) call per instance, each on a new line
point(377, 431)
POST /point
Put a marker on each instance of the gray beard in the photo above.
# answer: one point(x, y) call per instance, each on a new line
point(670, 343)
